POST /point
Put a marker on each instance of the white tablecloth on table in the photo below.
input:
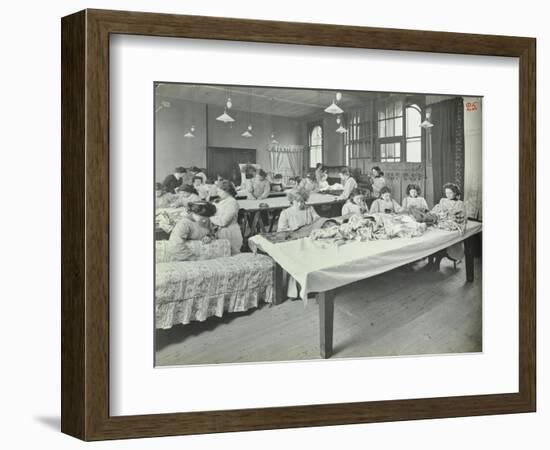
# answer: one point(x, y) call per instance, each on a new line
point(320, 267)
point(282, 202)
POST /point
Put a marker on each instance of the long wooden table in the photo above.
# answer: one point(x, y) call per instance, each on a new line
point(321, 271)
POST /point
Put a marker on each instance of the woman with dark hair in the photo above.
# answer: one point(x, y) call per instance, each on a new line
point(451, 211)
point(261, 187)
point(318, 172)
point(377, 181)
point(451, 205)
point(173, 181)
point(413, 199)
point(192, 226)
point(225, 219)
point(185, 194)
point(277, 183)
point(298, 214)
point(196, 172)
point(385, 204)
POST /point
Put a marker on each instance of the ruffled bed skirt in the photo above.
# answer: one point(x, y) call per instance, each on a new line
point(195, 290)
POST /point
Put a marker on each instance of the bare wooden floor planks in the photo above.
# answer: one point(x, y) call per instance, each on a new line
point(396, 313)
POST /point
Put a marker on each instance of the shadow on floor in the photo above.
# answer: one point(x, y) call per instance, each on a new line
point(52, 422)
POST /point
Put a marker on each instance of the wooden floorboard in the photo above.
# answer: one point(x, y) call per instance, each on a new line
point(396, 313)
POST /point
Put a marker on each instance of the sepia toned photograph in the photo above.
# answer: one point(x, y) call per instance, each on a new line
point(296, 224)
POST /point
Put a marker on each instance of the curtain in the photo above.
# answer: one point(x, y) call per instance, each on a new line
point(473, 157)
point(447, 144)
point(286, 160)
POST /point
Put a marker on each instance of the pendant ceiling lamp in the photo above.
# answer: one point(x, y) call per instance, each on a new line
point(427, 123)
point(226, 118)
point(191, 132)
point(248, 132)
point(273, 138)
point(341, 130)
point(333, 108)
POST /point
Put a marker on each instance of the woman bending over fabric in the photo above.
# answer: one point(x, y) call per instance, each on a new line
point(298, 214)
point(385, 204)
point(192, 226)
point(451, 207)
point(355, 204)
point(225, 219)
point(413, 199)
point(309, 183)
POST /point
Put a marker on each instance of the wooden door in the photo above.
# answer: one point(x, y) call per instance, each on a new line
point(225, 162)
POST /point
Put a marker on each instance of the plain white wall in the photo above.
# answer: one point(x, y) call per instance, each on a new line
point(30, 186)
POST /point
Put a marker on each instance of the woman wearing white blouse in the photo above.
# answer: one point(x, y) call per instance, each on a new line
point(377, 181)
point(385, 204)
point(413, 199)
point(298, 214)
point(227, 212)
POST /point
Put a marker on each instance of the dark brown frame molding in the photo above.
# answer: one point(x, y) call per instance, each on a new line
point(85, 224)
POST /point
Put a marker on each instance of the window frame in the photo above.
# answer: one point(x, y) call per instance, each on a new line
point(407, 102)
point(310, 127)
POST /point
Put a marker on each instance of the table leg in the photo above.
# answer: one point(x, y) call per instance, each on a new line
point(469, 257)
point(278, 284)
point(326, 322)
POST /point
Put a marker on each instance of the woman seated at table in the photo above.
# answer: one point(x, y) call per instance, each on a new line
point(192, 226)
point(323, 179)
point(385, 204)
point(452, 208)
point(309, 183)
point(414, 199)
point(225, 219)
point(355, 204)
point(277, 183)
point(261, 187)
point(293, 182)
point(451, 205)
point(298, 214)
point(246, 182)
point(201, 188)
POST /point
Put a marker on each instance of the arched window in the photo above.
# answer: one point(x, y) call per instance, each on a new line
point(315, 145)
point(413, 134)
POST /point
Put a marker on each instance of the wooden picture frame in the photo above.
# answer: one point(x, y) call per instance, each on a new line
point(85, 224)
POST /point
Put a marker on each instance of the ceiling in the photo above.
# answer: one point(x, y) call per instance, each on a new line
point(286, 102)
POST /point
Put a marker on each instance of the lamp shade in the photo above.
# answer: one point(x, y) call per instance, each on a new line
point(334, 109)
point(341, 130)
point(225, 118)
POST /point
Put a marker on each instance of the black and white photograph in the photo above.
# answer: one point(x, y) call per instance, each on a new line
point(302, 223)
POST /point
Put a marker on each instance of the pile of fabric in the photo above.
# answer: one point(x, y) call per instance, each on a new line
point(166, 218)
point(370, 228)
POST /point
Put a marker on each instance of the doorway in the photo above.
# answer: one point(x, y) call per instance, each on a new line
point(225, 161)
